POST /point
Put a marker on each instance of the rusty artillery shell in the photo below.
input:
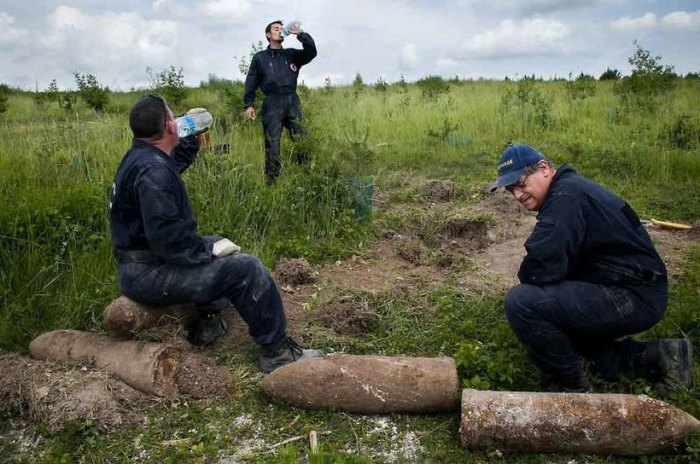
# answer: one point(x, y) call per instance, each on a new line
point(125, 317)
point(148, 367)
point(367, 384)
point(570, 422)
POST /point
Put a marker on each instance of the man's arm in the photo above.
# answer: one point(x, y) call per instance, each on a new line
point(555, 244)
point(185, 151)
point(252, 81)
point(169, 227)
point(302, 57)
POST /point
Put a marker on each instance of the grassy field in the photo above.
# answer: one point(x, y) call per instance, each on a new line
point(56, 268)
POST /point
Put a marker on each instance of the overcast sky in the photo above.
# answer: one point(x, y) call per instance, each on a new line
point(41, 40)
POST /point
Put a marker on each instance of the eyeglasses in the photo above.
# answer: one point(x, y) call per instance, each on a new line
point(520, 184)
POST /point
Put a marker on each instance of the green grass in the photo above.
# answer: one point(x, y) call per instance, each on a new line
point(56, 269)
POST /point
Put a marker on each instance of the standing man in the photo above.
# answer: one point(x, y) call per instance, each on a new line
point(162, 260)
point(275, 71)
point(591, 276)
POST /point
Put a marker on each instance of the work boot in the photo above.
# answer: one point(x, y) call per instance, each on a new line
point(672, 370)
point(206, 329)
point(284, 352)
point(551, 384)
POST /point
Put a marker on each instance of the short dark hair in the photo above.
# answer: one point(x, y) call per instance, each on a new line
point(532, 168)
point(269, 27)
point(148, 116)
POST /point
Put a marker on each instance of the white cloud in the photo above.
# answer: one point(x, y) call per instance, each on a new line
point(446, 64)
point(235, 10)
point(408, 59)
point(682, 20)
point(627, 23)
point(8, 33)
point(532, 36)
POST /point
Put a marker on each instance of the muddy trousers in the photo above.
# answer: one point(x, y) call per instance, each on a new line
point(560, 322)
point(239, 279)
point(278, 112)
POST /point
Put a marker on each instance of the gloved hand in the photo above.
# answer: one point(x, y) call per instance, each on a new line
point(225, 247)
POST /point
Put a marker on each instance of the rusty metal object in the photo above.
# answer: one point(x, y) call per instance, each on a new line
point(148, 367)
point(367, 384)
point(125, 317)
point(571, 422)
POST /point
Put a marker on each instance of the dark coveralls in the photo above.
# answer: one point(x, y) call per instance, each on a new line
point(161, 259)
point(275, 72)
point(591, 275)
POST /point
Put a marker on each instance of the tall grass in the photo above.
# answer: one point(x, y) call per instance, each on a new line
point(56, 167)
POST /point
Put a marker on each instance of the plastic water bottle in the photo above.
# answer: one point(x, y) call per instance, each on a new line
point(194, 121)
point(286, 30)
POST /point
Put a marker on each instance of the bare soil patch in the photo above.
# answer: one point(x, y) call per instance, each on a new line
point(440, 191)
point(295, 271)
point(349, 314)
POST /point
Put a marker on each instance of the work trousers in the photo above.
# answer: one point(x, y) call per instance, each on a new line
point(281, 111)
point(558, 323)
point(240, 279)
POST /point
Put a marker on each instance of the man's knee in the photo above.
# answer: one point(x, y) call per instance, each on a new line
point(521, 303)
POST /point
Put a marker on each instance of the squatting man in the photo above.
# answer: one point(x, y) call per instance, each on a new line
point(161, 259)
point(591, 277)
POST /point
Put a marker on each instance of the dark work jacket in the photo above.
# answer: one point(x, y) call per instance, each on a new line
point(149, 206)
point(275, 72)
point(584, 232)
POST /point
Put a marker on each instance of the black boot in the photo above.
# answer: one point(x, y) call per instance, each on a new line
point(205, 330)
point(668, 363)
point(284, 352)
point(553, 384)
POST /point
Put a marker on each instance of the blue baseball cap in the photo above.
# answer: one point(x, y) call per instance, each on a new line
point(514, 159)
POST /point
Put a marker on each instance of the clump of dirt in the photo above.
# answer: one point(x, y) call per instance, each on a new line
point(440, 191)
point(295, 271)
point(475, 230)
point(202, 377)
point(410, 250)
point(57, 395)
point(348, 315)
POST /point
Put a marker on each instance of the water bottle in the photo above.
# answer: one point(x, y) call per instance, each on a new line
point(286, 30)
point(195, 120)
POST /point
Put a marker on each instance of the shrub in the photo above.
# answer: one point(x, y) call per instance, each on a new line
point(527, 103)
point(4, 92)
point(649, 80)
point(581, 88)
point(610, 75)
point(432, 87)
point(683, 133)
point(169, 83)
point(91, 92)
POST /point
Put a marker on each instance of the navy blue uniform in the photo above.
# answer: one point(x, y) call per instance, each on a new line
point(275, 73)
point(162, 260)
point(591, 275)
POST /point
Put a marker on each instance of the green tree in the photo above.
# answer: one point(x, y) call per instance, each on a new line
point(170, 83)
point(4, 97)
point(91, 91)
point(244, 63)
point(649, 80)
point(610, 75)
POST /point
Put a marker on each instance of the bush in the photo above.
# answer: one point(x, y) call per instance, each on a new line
point(432, 87)
point(4, 92)
point(648, 81)
point(527, 103)
point(91, 92)
point(169, 83)
point(610, 75)
point(581, 88)
point(683, 133)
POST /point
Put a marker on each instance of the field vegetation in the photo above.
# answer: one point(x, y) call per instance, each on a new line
point(638, 135)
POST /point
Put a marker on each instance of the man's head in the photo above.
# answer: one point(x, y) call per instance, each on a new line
point(526, 174)
point(151, 119)
point(273, 31)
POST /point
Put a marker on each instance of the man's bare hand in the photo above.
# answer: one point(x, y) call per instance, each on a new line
point(250, 112)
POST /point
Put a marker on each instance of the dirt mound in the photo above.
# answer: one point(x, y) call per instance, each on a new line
point(474, 231)
point(410, 251)
point(348, 315)
point(295, 271)
point(57, 395)
point(440, 191)
point(202, 377)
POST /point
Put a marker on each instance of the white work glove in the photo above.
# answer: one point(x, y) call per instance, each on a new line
point(225, 247)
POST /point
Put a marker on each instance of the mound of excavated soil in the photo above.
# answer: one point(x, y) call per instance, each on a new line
point(440, 191)
point(57, 395)
point(202, 377)
point(295, 271)
point(348, 315)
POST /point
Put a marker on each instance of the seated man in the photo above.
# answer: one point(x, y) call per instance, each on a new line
point(161, 259)
point(591, 276)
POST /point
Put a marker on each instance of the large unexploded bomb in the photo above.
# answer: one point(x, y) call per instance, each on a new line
point(125, 317)
point(367, 384)
point(571, 422)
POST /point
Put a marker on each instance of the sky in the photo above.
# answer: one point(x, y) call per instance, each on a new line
point(116, 41)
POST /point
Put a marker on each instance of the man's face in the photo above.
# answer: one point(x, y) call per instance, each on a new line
point(275, 33)
point(531, 190)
